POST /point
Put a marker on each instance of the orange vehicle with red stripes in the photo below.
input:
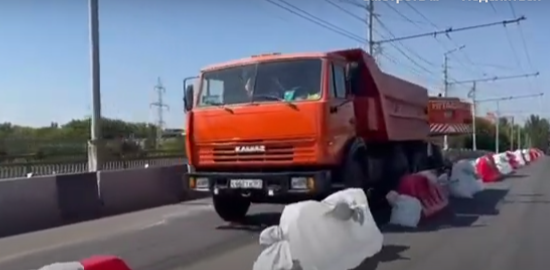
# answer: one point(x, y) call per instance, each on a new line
point(280, 128)
point(449, 116)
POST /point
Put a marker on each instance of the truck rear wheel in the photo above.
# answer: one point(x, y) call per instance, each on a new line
point(352, 173)
point(231, 208)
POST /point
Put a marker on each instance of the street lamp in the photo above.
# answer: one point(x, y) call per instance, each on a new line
point(95, 144)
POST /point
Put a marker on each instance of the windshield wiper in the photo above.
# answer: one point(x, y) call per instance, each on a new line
point(276, 98)
point(220, 105)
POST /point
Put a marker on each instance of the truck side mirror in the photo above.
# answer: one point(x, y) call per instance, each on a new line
point(188, 97)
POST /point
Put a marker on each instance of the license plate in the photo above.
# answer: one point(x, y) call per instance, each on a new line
point(246, 183)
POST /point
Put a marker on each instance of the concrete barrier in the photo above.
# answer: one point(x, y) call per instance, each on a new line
point(77, 196)
point(28, 204)
point(130, 190)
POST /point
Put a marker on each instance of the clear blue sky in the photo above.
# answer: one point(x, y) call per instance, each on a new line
point(44, 53)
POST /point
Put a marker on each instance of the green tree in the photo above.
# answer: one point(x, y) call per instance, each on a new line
point(538, 131)
point(485, 135)
point(124, 139)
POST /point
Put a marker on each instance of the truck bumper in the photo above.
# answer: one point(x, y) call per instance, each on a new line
point(261, 185)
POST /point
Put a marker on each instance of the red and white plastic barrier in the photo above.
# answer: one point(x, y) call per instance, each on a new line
point(487, 170)
point(92, 263)
point(431, 195)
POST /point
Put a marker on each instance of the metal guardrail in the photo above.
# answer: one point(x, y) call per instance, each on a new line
point(36, 169)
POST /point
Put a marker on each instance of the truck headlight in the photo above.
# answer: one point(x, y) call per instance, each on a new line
point(202, 183)
point(298, 182)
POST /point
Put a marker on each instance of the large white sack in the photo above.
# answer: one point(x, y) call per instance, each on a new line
point(406, 210)
point(337, 233)
point(463, 180)
point(526, 155)
point(277, 254)
point(460, 189)
point(478, 186)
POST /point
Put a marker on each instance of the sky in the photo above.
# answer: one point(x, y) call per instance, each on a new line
point(45, 51)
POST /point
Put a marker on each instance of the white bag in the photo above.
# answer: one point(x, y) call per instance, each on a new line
point(478, 186)
point(277, 254)
point(462, 179)
point(406, 210)
point(338, 233)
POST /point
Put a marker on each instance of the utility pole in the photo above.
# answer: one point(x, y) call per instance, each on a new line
point(472, 95)
point(446, 83)
point(519, 137)
point(160, 105)
point(95, 145)
point(512, 134)
point(371, 26)
point(497, 131)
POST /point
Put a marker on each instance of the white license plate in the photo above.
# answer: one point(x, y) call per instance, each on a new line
point(246, 183)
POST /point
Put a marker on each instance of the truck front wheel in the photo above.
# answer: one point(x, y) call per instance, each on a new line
point(231, 208)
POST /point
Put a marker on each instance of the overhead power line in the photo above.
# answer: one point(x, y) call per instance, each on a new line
point(452, 30)
point(496, 78)
point(510, 98)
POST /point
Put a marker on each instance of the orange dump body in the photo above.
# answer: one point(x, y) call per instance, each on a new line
point(449, 116)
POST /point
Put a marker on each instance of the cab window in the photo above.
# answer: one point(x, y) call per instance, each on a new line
point(338, 82)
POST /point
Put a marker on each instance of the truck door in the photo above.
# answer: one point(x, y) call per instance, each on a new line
point(341, 115)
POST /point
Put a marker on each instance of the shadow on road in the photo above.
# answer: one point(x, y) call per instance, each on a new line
point(513, 176)
point(254, 222)
point(484, 203)
point(388, 253)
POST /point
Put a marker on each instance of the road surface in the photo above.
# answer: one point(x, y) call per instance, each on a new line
point(504, 228)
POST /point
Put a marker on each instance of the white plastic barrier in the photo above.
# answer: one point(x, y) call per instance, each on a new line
point(464, 181)
point(526, 155)
point(63, 266)
point(519, 157)
point(335, 234)
point(502, 164)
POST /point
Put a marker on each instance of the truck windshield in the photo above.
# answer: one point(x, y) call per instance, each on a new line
point(288, 80)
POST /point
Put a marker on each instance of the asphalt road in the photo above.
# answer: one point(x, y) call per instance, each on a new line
point(505, 227)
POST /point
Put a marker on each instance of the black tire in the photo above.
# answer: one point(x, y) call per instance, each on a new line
point(352, 173)
point(231, 208)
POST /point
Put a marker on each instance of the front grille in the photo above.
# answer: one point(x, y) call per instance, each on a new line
point(275, 152)
point(272, 153)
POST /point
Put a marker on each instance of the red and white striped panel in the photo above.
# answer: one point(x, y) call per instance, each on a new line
point(449, 128)
point(93, 263)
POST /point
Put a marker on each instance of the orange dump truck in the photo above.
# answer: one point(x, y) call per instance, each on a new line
point(280, 128)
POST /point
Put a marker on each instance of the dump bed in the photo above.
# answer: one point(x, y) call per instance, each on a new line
point(449, 116)
point(399, 106)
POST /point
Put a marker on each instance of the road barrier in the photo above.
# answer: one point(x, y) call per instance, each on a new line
point(431, 195)
point(93, 263)
point(28, 204)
